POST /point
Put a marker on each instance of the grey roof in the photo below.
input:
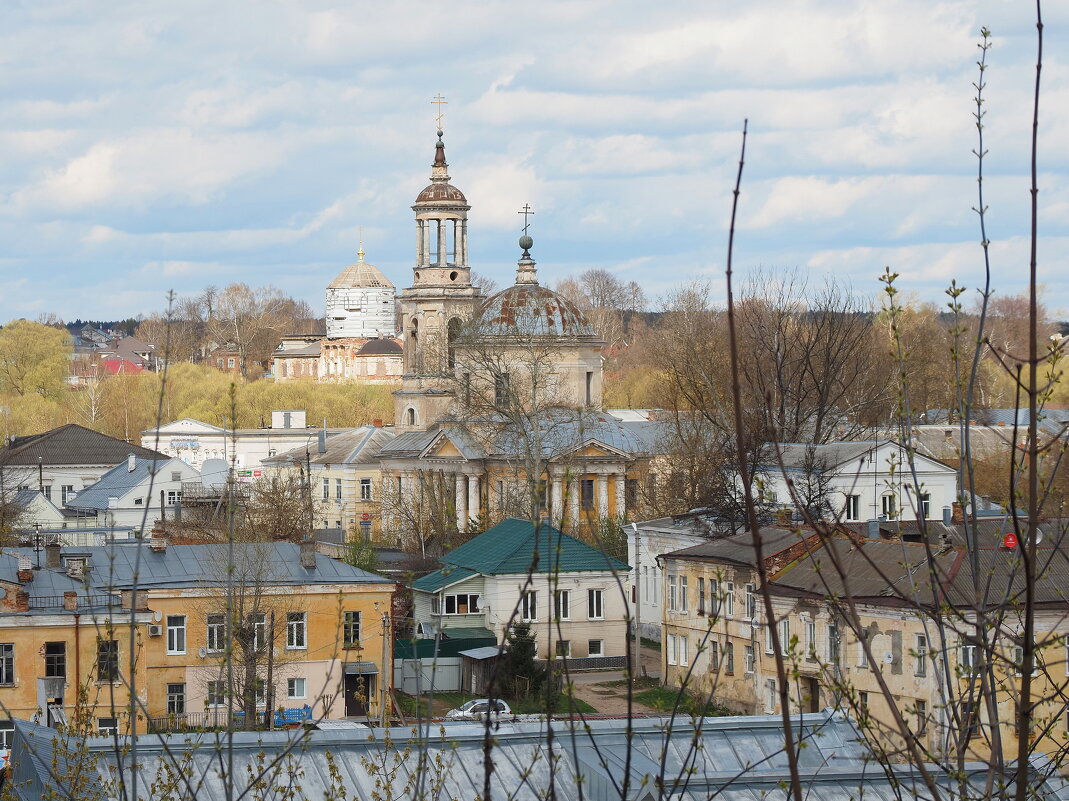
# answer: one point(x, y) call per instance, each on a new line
point(118, 481)
point(486, 652)
point(739, 548)
point(114, 567)
point(409, 444)
point(71, 444)
point(733, 758)
point(1051, 420)
point(826, 456)
point(355, 446)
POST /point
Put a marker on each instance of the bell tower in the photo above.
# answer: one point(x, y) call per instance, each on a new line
point(440, 300)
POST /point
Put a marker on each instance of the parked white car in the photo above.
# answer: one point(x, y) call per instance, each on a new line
point(477, 709)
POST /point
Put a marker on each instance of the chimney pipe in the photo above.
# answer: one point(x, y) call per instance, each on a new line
point(948, 516)
point(52, 551)
point(873, 529)
point(25, 569)
point(131, 463)
point(323, 441)
point(958, 514)
point(70, 601)
point(377, 422)
point(308, 554)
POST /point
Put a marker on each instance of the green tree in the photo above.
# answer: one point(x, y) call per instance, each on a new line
point(34, 359)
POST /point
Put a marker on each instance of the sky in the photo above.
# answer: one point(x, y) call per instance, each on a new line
point(149, 146)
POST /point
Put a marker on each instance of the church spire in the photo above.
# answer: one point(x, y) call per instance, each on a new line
point(525, 267)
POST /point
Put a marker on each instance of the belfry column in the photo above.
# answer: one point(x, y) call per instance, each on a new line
point(556, 510)
point(442, 237)
point(462, 503)
point(573, 501)
point(621, 494)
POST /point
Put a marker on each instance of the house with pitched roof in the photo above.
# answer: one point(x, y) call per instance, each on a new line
point(571, 594)
point(63, 461)
point(135, 493)
point(854, 481)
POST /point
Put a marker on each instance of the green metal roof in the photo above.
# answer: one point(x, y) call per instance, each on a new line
point(511, 546)
point(442, 578)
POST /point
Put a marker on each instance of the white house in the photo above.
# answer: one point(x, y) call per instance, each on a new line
point(135, 493)
point(484, 582)
point(866, 480)
point(194, 441)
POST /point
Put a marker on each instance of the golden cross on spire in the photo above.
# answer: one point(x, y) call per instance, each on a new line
point(439, 101)
point(525, 211)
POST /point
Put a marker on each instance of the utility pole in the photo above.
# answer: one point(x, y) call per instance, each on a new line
point(636, 671)
point(270, 699)
point(387, 678)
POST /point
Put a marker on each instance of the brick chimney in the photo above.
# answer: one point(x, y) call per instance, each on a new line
point(957, 515)
point(158, 540)
point(308, 554)
point(22, 601)
point(52, 555)
point(377, 422)
point(25, 569)
point(70, 601)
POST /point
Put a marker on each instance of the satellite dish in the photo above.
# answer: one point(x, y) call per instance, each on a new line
point(214, 473)
point(755, 623)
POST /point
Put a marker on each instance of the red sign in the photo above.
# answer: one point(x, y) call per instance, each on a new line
point(1009, 540)
point(365, 516)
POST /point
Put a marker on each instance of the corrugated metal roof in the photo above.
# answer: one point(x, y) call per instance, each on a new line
point(514, 546)
point(442, 578)
point(739, 548)
point(354, 446)
point(120, 480)
point(730, 758)
point(71, 445)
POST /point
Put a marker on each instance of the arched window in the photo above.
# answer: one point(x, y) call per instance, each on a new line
point(453, 334)
point(411, 416)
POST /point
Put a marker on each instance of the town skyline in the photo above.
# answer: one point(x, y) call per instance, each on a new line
point(262, 162)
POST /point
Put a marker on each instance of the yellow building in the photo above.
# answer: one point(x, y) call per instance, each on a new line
point(345, 478)
point(298, 634)
point(889, 654)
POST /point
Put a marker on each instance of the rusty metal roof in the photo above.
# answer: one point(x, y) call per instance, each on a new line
point(531, 310)
point(441, 193)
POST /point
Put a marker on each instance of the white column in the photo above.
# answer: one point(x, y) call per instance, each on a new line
point(441, 242)
point(573, 501)
point(473, 496)
point(556, 510)
point(462, 245)
point(621, 495)
point(462, 503)
point(603, 495)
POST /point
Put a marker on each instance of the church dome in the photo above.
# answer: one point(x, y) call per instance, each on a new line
point(532, 310)
point(380, 347)
point(360, 274)
point(441, 193)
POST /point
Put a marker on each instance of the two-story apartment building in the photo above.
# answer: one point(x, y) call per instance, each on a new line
point(300, 631)
point(572, 595)
point(904, 647)
point(345, 478)
point(133, 494)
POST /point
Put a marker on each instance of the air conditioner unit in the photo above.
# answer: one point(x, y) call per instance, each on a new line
point(155, 630)
point(203, 652)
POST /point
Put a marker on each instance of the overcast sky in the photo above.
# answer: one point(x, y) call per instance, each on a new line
point(148, 146)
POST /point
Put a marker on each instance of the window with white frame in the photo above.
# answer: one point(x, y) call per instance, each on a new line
point(564, 648)
point(176, 634)
point(7, 731)
point(296, 688)
point(920, 655)
point(714, 597)
point(969, 657)
point(176, 699)
point(215, 693)
point(862, 653)
point(595, 648)
point(107, 727)
point(729, 658)
point(888, 505)
point(770, 695)
point(351, 629)
point(784, 637)
point(768, 639)
point(326, 489)
point(701, 595)
point(853, 507)
point(683, 593)
point(671, 651)
point(714, 655)
point(365, 489)
point(729, 599)
point(684, 651)
point(749, 657)
point(259, 631)
point(337, 489)
point(562, 605)
point(595, 604)
point(296, 630)
point(216, 633)
point(529, 606)
point(833, 643)
point(926, 505)
point(671, 592)
point(7, 663)
point(810, 639)
point(465, 603)
point(751, 602)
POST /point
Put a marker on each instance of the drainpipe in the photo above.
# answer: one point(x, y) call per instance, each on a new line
point(77, 669)
point(636, 671)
